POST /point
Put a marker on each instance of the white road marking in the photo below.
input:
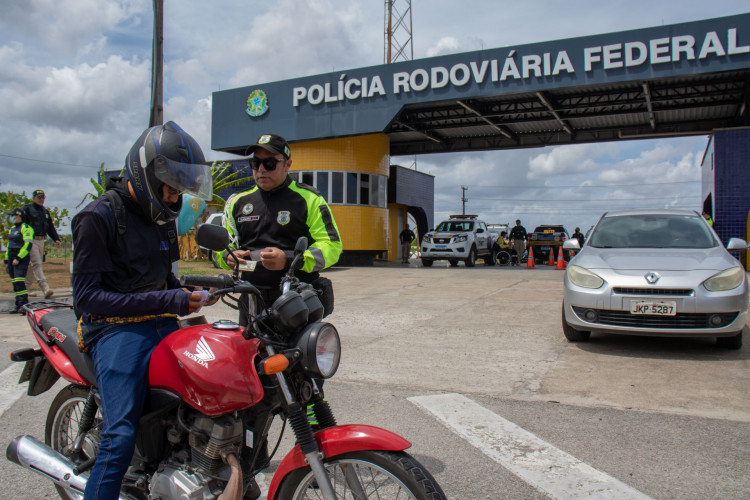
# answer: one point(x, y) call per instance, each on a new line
point(537, 462)
point(10, 391)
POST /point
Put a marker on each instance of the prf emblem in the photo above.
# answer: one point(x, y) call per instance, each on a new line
point(247, 209)
point(283, 218)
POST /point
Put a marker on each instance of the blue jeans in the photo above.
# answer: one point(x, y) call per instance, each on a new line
point(121, 358)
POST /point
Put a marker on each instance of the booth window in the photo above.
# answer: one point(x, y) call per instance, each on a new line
point(346, 188)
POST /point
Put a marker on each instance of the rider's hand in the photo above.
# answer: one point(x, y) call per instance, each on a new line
point(197, 300)
point(273, 259)
point(212, 301)
point(241, 255)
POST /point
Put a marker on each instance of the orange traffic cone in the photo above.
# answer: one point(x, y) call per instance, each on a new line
point(551, 261)
point(561, 260)
point(530, 260)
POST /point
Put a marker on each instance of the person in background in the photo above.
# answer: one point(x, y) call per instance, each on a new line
point(406, 237)
point(20, 241)
point(124, 290)
point(40, 220)
point(579, 236)
point(518, 238)
point(707, 216)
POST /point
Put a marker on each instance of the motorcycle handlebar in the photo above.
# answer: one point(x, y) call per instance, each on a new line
point(221, 281)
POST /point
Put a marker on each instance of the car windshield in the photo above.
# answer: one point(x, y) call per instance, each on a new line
point(453, 226)
point(652, 231)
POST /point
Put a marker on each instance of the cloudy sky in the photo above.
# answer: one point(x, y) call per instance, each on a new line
point(75, 81)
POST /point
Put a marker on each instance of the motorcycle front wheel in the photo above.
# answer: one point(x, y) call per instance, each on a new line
point(366, 474)
point(61, 429)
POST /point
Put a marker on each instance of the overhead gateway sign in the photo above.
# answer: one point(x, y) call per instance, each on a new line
point(365, 100)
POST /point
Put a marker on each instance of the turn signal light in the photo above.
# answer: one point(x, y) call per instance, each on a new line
point(275, 364)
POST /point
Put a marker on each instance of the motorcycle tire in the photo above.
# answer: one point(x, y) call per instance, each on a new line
point(383, 474)
point(61, 428)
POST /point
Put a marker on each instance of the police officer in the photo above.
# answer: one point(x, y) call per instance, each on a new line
point(40, 220)
point(265, 222)
point(517, 238)
point(20, 241)
point(124, 245)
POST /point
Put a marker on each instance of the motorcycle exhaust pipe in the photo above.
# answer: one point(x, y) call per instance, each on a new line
point(29, 452)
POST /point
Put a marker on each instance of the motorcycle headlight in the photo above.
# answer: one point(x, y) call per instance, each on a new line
point(583, 277)
point(728, 279)
point(321, 350)
point(459, 238)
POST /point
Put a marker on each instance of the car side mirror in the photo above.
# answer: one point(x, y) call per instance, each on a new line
point(736, 244)
point(571, 244)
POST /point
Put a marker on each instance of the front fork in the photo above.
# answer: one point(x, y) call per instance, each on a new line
point(304, 434)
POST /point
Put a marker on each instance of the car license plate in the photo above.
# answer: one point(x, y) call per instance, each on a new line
point(657, 308)
point(441, 246)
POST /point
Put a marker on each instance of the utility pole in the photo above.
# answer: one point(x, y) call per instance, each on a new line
point(464, 199)
point(157, 64)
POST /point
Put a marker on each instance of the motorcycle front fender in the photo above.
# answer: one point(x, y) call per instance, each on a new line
point(337, 441)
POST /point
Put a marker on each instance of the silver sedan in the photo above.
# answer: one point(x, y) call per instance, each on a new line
point(655, 272)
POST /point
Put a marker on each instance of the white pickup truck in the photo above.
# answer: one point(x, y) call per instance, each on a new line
point(460, 238)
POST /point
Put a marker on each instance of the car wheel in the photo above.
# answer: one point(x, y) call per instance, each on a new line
point(453, 262)
point(571, 333)
point(734, 342)
point(427, 262)
point(471, 260)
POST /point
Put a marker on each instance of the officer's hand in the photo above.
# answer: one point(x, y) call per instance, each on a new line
point(59, 243)
point(273, 259)
point(241, 255)
point(15, 262)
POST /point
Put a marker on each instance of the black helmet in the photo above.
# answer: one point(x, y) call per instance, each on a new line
point(166, 154)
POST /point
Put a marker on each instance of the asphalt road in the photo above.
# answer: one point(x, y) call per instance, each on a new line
point(460, 360)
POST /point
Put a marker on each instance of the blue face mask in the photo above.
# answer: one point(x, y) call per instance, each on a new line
point(12, 219)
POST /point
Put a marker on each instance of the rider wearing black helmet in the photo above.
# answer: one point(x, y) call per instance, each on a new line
point(123, 286)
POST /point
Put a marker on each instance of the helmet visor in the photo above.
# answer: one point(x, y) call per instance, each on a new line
point(193, 178)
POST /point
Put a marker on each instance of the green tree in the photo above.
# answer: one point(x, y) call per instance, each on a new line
point(224, 178)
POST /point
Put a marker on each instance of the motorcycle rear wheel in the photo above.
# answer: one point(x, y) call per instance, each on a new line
point(61, 429)
point(382, 474)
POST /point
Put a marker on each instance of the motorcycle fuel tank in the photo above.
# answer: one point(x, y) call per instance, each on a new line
point(212, 369)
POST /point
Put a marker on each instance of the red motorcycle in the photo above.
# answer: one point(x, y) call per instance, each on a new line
point(214, 391)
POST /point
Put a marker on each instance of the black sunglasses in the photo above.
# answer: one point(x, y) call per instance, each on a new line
point(268, 163)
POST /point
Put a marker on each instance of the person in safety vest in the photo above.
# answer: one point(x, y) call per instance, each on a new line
point(265, 222)
point(123, 287)
point(17, 256)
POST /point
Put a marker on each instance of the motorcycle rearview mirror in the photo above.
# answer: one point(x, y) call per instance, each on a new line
point(299, 250)
point(215, 238)
point(211, 236)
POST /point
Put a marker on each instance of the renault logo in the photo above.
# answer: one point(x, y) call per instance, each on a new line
point(652, 277)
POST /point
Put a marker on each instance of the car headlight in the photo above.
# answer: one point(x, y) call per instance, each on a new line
point(583, 277)
point(459, 238)
point(427, 238)
point(321, 350)
point(728, 279)
point(533, 236)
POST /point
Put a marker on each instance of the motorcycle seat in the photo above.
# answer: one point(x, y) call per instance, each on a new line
point(67, 325)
